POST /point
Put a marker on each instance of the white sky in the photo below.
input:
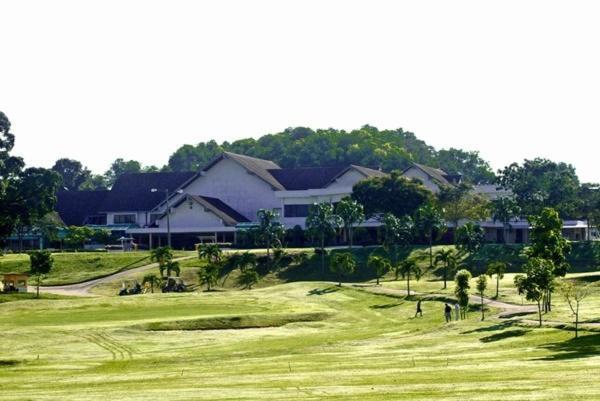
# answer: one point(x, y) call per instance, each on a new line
point(97, 80)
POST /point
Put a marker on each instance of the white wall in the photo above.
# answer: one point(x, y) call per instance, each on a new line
point(349, 178)
point(417, 173)
point(188, 215)
point(231, 183)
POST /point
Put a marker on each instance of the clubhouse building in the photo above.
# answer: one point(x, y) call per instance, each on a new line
point(223, 198)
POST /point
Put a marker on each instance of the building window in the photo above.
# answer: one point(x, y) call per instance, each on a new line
point(296, 210)
point(154, 217)
point(124, 219)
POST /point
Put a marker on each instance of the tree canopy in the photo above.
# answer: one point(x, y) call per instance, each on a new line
point(540, 183)
point(391, 194)
point(366, 146)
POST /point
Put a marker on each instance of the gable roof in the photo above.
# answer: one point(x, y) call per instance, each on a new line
point(132, 192)
point(222, 210)
point(259, 167)
point(74, 206)
point(367, 172)
point(297, 179)
point(435, 174)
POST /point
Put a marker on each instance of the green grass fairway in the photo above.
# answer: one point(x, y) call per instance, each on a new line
point(313, 341)
point(77, 267)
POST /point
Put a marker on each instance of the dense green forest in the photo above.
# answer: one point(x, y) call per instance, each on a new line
point(367, 146)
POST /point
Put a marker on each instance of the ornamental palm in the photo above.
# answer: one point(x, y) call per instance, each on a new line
point(450, 260)
point(351, 212)
point(322, 221)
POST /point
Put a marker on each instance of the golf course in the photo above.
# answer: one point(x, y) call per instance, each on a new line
point(308, 340)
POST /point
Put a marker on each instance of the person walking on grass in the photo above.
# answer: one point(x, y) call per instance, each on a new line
point(456, 311)
point(419, 310)
point(448, 313)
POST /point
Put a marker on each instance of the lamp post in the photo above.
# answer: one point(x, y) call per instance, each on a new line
point(168, 210)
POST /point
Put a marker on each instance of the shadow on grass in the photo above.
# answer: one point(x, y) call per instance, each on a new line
point(494, 327)
point(583, 347)
point(8, 362)
point(503, 335)
point(322, 291)
point(385, 306)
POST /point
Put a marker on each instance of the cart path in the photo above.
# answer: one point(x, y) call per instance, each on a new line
point(507, 309)
point(83, 289)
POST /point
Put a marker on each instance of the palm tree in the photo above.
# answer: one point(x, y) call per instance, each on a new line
point(498, 268)
point(151, 279)
point(163, 256)
point(429, 222)
point(342, 264)
point(351, 212)
point(322, 221)
point(397, 232)
point(407, 268)
point(246, 261)
point(451, 261)
point(212, 253)
point(379, 265)
point(269, 228)
point(504, 210)
point(209, 274)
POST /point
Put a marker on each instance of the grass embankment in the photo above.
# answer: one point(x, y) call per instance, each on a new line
point(368, 348)
point(72, 268)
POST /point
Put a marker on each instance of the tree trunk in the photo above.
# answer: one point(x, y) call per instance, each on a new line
point(539, 312)
point(482, 309)
point(350, 235)
point(577, 321)
point(445, 275)
point(322, 253)
point(497, 284)
point(408, 284)
point(377, 280)
point(38, 287)
point(431, 250)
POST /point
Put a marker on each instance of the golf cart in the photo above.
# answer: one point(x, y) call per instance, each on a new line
point(173, 284)
point(130, 287)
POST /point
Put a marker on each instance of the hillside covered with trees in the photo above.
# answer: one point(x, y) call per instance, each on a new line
point(367, 146)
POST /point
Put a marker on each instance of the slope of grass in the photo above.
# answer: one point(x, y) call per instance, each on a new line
point(77, 267)
point(369, 347)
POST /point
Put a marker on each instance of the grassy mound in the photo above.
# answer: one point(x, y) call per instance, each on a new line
point(235, 322)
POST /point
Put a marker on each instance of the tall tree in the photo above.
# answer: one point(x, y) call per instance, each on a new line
point(505, 210)
point(497, 268)
point(270, 230)
point(460, 203)
point(589, 205)
point(95, 182)
point(481, 287)
point(461, 290)
point(430, 223)
point(537, 281)
point(322, 221)
point(391, 194)
point(397, 232)
point(547, 242)
point(120, 167)
point(379, 265)
point(407, 268)
point(470, 238)
point(352, 213)
point(540, 183)
point(41, 262)
point(72, 173)
point(470, 165)
point(450, 260)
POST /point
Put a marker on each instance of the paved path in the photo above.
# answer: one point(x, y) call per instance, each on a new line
point(507, 309)
point(83, 289)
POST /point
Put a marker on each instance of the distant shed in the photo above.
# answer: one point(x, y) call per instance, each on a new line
point(14, 282)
